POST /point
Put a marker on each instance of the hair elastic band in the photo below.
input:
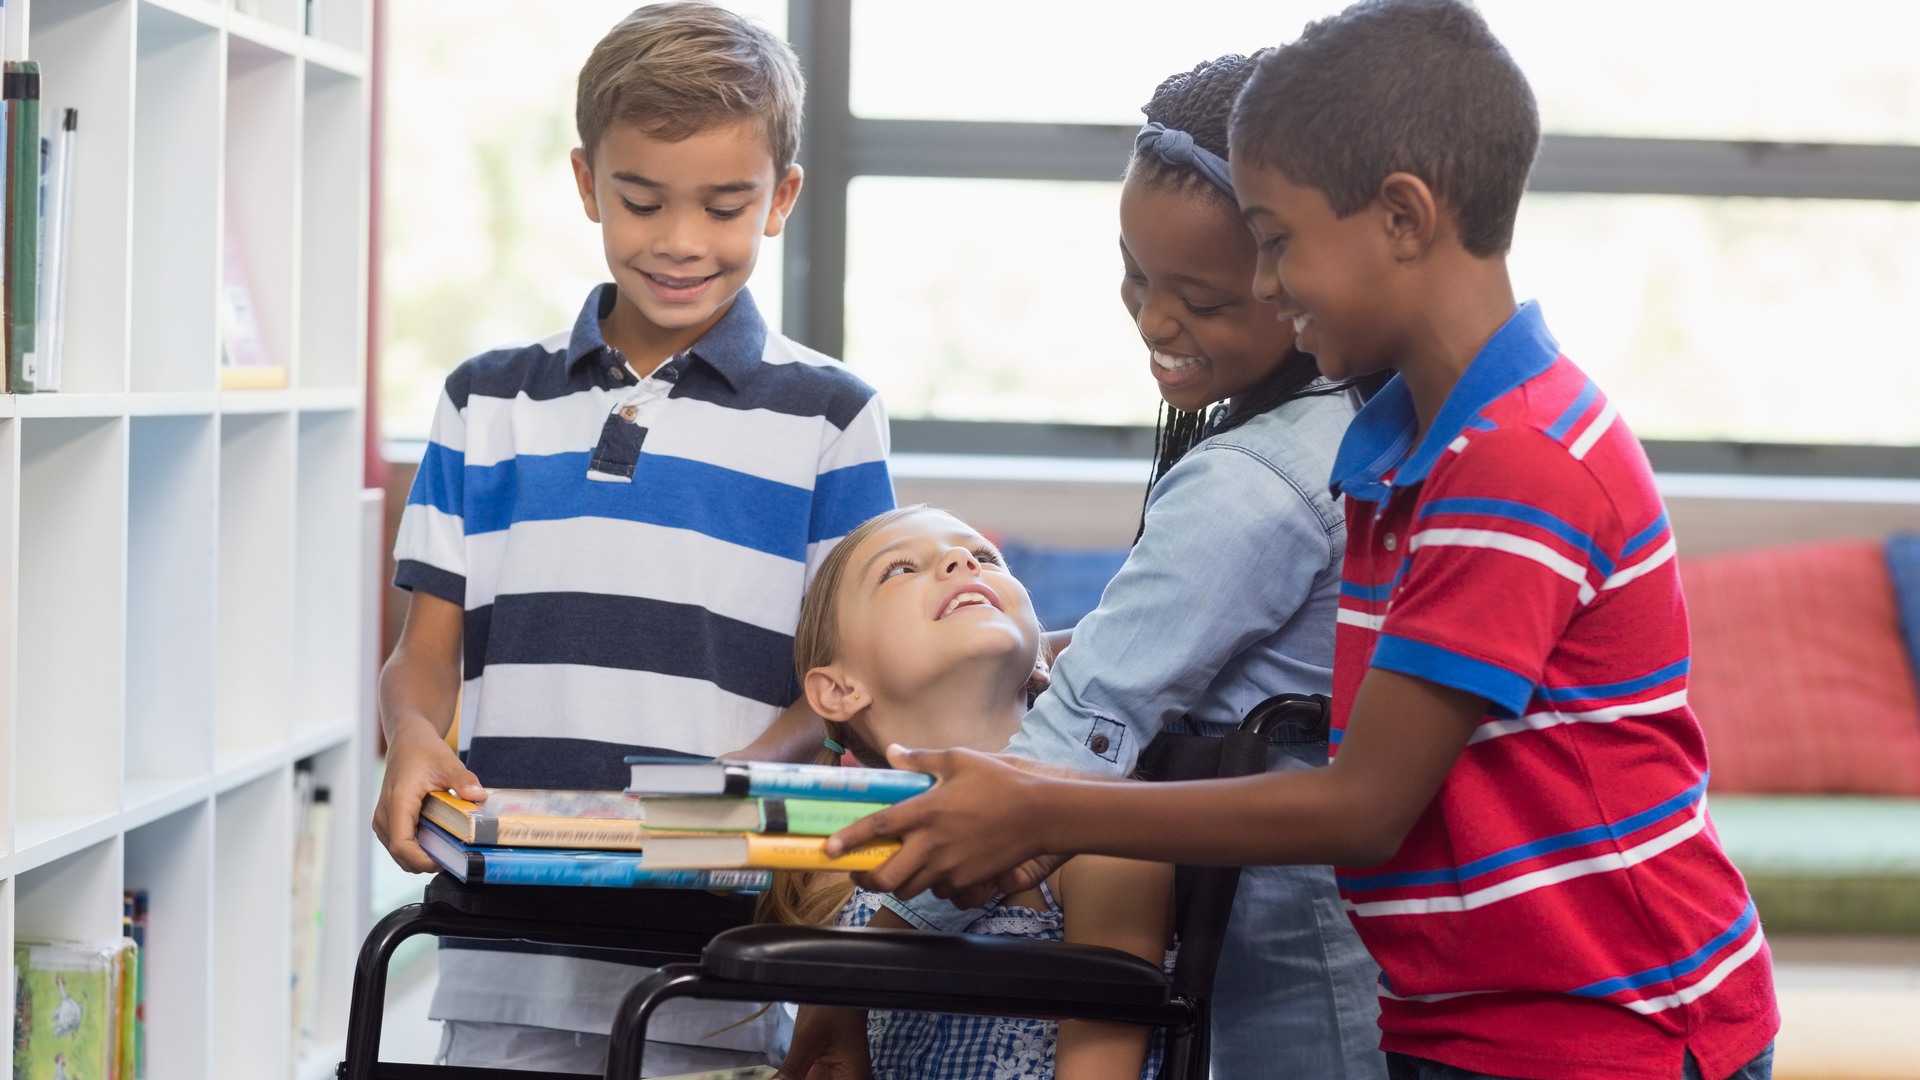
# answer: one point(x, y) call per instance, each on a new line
point(834, 746)
point(1176, 147)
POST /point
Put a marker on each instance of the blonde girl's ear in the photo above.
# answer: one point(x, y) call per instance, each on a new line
point(833, 695)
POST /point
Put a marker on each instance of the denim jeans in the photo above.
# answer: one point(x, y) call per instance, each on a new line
point(1403, 1067)
point(1296, 993)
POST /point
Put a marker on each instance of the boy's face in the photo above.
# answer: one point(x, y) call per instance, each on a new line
point(1187, 264)
point(1329, 276)
point(682, 221)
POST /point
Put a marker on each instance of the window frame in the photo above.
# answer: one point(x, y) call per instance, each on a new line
point(840, 146)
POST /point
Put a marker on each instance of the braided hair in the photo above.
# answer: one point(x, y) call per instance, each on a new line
point(1200, 103)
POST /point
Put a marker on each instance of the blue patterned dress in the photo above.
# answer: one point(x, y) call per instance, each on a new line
point(950, 1046)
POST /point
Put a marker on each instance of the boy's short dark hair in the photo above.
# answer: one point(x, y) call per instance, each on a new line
point(1417, 86)
point(682, 68)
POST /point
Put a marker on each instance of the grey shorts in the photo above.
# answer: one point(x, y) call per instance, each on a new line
point(516, 1046)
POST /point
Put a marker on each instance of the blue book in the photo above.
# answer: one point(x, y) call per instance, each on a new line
point(741, 779)
point(480, 865)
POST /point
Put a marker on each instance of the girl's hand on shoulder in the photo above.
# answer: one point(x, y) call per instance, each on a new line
point(979, 821)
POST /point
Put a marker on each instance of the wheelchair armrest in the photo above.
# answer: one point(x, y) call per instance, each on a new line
point(914, 960)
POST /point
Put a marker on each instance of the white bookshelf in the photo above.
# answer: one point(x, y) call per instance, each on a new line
point(183, 584)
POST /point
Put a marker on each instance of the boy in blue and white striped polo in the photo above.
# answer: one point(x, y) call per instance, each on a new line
point(611, 530)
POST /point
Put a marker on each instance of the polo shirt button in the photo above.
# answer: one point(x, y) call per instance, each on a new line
point(1098, 744)
point(1390, 542)
point(629, 412)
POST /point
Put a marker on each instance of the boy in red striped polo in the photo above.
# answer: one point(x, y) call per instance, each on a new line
point(1517, 800)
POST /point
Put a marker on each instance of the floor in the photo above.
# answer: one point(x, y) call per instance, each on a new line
point(1851, 1009)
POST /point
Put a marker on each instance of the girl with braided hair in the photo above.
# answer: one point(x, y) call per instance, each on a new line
point(1227, 598)
point(1230, 593)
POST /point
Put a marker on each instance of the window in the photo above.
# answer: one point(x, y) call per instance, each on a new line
point(483, 239)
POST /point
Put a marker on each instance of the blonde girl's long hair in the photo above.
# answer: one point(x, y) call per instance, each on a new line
point(799, 896)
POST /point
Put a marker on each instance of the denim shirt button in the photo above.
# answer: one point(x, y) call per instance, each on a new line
point(1098, 744)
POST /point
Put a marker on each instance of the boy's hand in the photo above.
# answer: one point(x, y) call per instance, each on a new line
point(958, 839)
point(418, 761)
point(828, 1044)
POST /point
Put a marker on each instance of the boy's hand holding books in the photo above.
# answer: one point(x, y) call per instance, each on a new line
point(418, 761)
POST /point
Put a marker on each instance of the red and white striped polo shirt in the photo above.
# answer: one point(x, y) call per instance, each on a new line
point(1563, 907)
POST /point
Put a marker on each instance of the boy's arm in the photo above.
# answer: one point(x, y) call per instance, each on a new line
point(418, 688)
point(1122, 904)
point(988, 814)
point(797, 734)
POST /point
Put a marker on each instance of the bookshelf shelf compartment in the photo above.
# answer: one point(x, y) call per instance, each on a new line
point(177, 148)
point(255, 580)
point(85, 50)
point(71, 585)
point(172, 860)
point(252, 868)
point(171, 588)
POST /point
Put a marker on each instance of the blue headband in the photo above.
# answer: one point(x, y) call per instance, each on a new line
point(1176, 147)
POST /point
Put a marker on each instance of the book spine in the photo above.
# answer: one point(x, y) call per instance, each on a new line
point(838, 783)
point(506, 868)
point(602, 834)
point(808, 853)
point(813, 817)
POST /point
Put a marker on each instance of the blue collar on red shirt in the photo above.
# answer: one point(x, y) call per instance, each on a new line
point(1382, 431)
point(733, 346)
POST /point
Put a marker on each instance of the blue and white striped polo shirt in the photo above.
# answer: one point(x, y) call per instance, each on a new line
point(631, 552)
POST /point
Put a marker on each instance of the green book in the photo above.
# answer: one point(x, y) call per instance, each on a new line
point(22, 94)
point(795, 817)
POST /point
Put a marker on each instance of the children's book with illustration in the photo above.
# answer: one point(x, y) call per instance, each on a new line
point(726, 850)
point(706, 776)
point(482, 865)
point(71, 1001)
point(530, 817)
point(798, 817)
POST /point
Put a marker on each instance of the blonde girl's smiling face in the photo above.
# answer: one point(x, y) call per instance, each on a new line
point(928, 603)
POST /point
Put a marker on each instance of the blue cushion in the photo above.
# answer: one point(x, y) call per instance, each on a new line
point(1903, 562)
point(1065, 583)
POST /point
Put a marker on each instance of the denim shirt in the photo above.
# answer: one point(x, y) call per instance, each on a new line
point(1227, 599)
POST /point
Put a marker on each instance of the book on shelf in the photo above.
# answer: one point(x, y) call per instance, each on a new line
point(531, 817)
point(56, 233)
point(135, 926)
point(717, 851)
point(708, 776)
point(21, 81)
point(72, 1005)
point(244, 363)
point(797, 817)
point(313, 815)
point(478, 864)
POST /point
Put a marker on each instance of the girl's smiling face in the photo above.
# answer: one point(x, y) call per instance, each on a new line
point(927, 606)
point(1189, 286)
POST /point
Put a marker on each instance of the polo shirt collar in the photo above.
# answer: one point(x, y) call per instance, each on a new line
point(1382, 431)
point(732, 347)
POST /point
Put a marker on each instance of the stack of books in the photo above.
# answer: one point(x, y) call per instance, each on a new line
point(543, 837)
point(685, 823)
point(764, 815)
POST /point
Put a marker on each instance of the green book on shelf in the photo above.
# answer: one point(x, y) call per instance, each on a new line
point(68, 1008)
point(22, 94)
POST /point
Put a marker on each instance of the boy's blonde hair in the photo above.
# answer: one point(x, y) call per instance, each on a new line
point(678, 69)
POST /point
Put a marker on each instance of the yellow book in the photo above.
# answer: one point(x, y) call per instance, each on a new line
point(727, 851)
point(524, 817)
